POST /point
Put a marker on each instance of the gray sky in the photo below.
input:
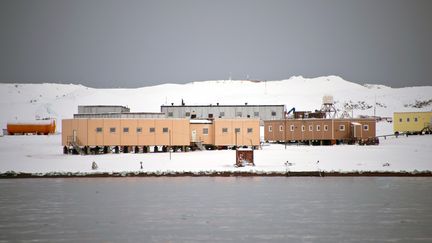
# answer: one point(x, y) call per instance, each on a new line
point(104, 43)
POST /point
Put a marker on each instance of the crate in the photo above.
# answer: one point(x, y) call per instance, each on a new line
point(244, 157)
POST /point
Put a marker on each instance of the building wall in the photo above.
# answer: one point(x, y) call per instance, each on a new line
point(94, 137)
point(71, 125)
point(122, 115)
point(66, 130)
point(111, 132)
point(161, 137)
point(230, 112)
point(93, 109)
point(130, 136)
point(318, 129)
point(88, 134)
point(411, 121)
point(230, 138)
point(199, 133)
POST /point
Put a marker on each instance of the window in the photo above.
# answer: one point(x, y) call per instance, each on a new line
point(170, 114)
point(415, 119)
point(151, 129)
point(165, 129)
point(237, 130)
point(205, 131)
point(224, 130)
point(292, 128)
point(341, 127)
point(408, 119)
point(98, 129)
point(239, 114)
point(270, 129)
point(366, 127)
point(273, 113)
point(303, 128)
point(139, 129)
point(125, 129)
point(256, 114)
point(318, 128)
point(187, 114)
point(249, 130)
point(112, 130)
point(310, 128)
point(222, 113)
point(280, 128)
point(400, 119)
point(325, 127)
point(210, 115)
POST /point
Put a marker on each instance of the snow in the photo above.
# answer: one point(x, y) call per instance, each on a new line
point(200, 121)
point(43, 154)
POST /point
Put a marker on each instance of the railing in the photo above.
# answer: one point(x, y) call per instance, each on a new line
point(75, 143)
point(199, 145)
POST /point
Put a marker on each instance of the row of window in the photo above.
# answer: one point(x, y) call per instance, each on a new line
point(126, 129)
point(318, 128)
point(408, 119)
point(165, 130)
point(222, 114)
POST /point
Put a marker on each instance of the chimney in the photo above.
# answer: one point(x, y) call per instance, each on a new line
point(217, 104)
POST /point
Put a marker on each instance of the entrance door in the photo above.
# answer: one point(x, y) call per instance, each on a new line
point(74, 138)
point(193, 136)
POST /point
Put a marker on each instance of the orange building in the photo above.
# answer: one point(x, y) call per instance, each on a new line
point(139, 134)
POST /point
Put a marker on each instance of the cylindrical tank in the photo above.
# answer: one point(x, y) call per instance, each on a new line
point(37, 127)
point(328, 100)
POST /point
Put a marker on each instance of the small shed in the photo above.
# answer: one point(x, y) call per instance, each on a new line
point(244, 157)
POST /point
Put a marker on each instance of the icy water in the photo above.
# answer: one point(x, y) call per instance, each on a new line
point(209, 209)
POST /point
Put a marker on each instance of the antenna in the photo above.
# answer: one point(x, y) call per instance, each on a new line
point(375, 107)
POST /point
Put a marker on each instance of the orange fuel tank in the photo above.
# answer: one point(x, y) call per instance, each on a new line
point(37, 127)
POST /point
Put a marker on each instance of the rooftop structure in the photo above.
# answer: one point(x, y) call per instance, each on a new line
point(113, 111)
point(261, 112)
point(97, 109)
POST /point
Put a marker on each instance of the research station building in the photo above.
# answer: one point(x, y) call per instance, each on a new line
point(321, 131)
point(412, 122)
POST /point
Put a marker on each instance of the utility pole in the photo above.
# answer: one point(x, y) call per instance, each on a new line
point(375, 108)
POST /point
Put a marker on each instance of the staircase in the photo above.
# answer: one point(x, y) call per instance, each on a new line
point(200, 146)
point(427, 128)
point(75, 145)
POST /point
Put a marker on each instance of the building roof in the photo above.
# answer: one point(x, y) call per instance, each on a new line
point(323, 119)
point(102, 106)
point(220, 105)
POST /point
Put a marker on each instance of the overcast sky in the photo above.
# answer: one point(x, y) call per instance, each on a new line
point(103, 43)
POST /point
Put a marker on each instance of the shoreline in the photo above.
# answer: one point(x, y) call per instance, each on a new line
point(22, 175)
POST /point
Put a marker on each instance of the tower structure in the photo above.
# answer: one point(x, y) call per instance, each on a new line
point(328, 106)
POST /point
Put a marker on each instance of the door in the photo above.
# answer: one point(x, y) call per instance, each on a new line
point(74, 138)
point(193, 136)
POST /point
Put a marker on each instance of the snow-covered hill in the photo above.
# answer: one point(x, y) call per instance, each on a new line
point(29, 101)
